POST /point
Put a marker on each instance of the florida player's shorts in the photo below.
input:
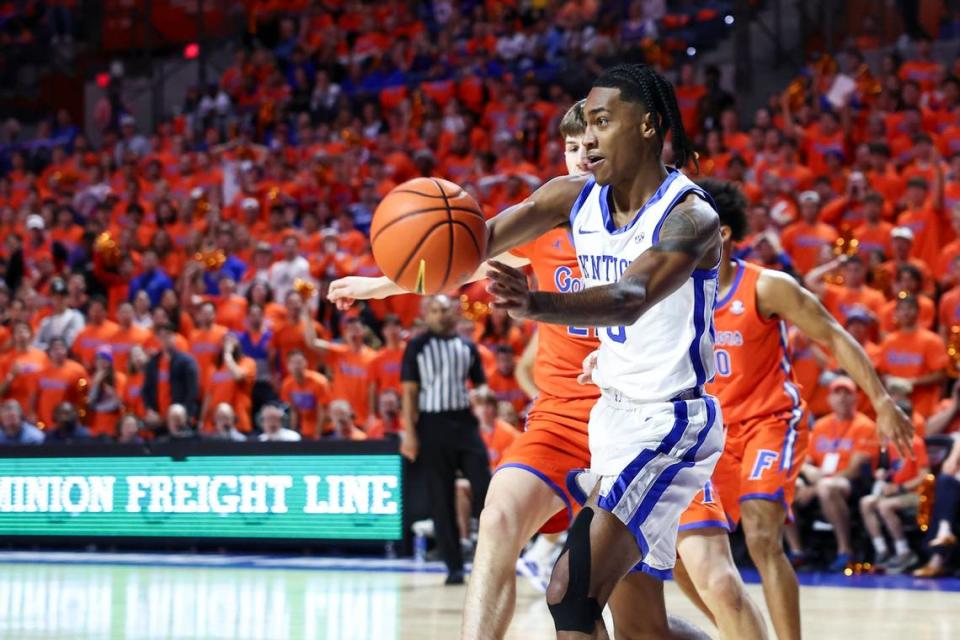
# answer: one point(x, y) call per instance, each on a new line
point(761, 461)
point(555, 441)
point(650, 460)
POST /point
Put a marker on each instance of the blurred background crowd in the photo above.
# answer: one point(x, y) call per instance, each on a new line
point(167, 279)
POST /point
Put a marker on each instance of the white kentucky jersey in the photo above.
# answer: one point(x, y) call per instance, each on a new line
point(670, 348)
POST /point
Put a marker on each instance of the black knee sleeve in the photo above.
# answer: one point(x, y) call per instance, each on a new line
point(576, 611)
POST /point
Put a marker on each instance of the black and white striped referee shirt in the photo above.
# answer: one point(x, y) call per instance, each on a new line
point(441, 365)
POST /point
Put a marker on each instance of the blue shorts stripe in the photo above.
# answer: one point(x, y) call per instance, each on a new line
point(574, 487)
point(661, 574)
point(662, 483)
point(609, 501)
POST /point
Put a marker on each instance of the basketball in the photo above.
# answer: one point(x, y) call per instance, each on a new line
point(428, 235)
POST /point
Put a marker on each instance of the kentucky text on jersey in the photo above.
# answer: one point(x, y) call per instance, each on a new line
point(603, 268)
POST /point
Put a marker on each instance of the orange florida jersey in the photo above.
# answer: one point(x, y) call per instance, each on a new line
point(754, 376)
point(561, 349)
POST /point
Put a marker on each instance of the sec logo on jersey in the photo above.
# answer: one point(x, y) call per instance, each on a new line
point(737, 308)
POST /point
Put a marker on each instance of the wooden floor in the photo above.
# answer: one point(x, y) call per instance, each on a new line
point(88, 596)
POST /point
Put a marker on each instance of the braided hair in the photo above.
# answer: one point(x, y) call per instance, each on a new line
point(641, 83)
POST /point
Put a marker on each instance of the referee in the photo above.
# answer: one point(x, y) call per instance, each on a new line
point(440, 431)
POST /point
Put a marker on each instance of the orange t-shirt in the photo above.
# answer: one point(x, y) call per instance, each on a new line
point(905, 470)
point(804, 243)
point(926, 74)
point(104, 423)
point(385, 369)
point(873, 238)
point(350, 370)
point(163, 385)
point(91, 338)
point(219, 385)
point(835, 441)
point(507, 389)
point(807, 369)
point(305, 399)
point(24, 385)
point(928, 314)
point(750, 379)
point(123, 340)
point(909, 354)
point(949, 314)
point(819, 145)
point(231, 312)
point(498, 440)
point(840, 301)
point(133, 395)
point(289, 337)
point(948, 254)
point(66, 383)
point(205, 345)
point(926, 234)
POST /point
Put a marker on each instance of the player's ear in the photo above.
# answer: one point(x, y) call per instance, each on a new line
point(726, 233)
point(648, 127)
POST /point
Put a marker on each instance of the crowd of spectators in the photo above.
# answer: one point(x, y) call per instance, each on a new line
point(171, 283)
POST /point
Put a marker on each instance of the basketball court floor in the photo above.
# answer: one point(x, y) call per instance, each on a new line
point(144, 596)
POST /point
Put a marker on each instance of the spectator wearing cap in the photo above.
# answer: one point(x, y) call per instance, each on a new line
point(842, 446)
point(916, 354)
point(14, 428)
point(272, 424)
point(66, 426)
point(307, 393)
point(63, 322)
point(349, 365)
point(808, 240)
point(841, 299)
point(289, 268)
point(20, 368)
point(901, 243)
point(62, 380)
point(152, 279)
point(98, 332)
point(171, 377)
point(229, 378)
point(37, 246)
point(873, 235)
point(105, 398)
point(343, 424)
point(922, 218)
point(909, 281)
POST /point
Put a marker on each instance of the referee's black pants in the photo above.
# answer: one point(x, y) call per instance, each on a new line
point(450, 441)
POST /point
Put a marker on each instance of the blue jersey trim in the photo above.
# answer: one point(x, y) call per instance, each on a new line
point(608, 222)
point(584, 194)
point(733, 287)
point(660, 574)
point(705, 524)
point(699, 303)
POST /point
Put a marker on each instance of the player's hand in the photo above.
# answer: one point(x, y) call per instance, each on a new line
point(509, 289)
point(589, 364)
point(894, 425)
point(409, 445)
point(345, 291)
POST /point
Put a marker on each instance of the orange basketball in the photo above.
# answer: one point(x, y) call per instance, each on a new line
point(428, 235)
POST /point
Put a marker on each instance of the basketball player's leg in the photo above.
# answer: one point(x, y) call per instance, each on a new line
point(770, 466)
point(682, 577)
point(518, 503)
point(639, 612)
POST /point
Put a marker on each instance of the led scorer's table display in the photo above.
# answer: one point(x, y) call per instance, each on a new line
point(333, 497)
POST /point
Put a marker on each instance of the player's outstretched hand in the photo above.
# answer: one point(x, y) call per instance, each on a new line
point(894, 425)
point(345, 291)
point(509, 289)
point(589, 364)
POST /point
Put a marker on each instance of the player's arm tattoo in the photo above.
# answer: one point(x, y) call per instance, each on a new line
point(689, 238)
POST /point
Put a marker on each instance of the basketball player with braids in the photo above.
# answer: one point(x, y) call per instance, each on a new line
point(528, 492)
